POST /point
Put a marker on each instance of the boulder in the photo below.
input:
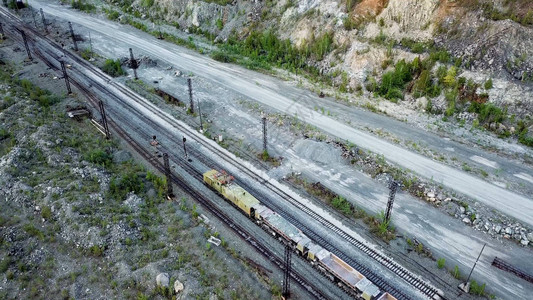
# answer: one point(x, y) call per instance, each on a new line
point(524, 242)
point(509, 231)
point(162, 279)
point(121, 156)
point(431, 195)
point(466, 220)
point(530, 236)
point(178, 286)
point(462, 209)
point(498, 229)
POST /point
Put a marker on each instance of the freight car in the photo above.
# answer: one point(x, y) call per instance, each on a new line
point(326, 262)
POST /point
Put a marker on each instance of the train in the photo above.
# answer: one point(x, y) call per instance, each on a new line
point(340, 272)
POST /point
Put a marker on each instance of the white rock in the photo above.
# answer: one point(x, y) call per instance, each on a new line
point(466, 220)
point(530, 236)
point(524, 242)
point(162, 279)
point(178, 286)
point(498, 229)
point(447, 199)
point(509, 230)
point(462, 209)
point(431, 195)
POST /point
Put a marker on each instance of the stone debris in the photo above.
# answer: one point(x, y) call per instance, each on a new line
point(178, 286)
point(163, 280)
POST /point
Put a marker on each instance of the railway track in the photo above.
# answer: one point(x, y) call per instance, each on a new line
point(179, 181)
point(403, 273)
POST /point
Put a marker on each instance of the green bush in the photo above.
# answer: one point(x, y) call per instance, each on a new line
point(147, 3)
point(442, 56)
point(222, 57)
point(4, 264)
point(113, 68)
point(455, 272)
point(523, 136)
point(112, 14)
point(341, 204)
point(489, 113)
point(488, 84)
point(160, 183)
point(43, 97)
point(82, 5)
point(441, 262)
point(220, 24)
point(96, 251)
point(46, 212)
point(33, 231)
point(99, 157)
point(4, 134)
point(129, 182)
point(393, 82)
point(476, 289)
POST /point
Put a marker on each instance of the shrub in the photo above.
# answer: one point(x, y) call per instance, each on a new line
point(4, 264)
point(455, 272)
point(112, 14)
point(33, 231)
point(82, 5)
point(147, 3)
point(222, 57)
point(490, 113)
point(349, 23)
point(96, 251)
point(441, 262)
point(113, 68)
point(220, 24)
point(393, 82)
point(341, 204)
point(4, 134)
point(99, 157)
point(46, 212)
point(476, 289)
point(160, 183)
point(43, 97)
point(488, 84)
point(129, 182)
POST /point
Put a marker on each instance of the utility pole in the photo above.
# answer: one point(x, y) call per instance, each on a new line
point(73, 36)
point(133, 64)
point(200, 114)
point(33, 15)
point(287, 273)
point(90, 45)
point(466, 285)
point(44, 21)
point(393, 186)
point(184, 148)
point(26, 44)
point(67, 83)
point(264, 120)
point(189, 83)
point(2, 36)
point(104, 120)
point(170, 192)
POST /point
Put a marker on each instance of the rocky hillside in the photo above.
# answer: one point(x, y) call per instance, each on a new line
point(470, 59)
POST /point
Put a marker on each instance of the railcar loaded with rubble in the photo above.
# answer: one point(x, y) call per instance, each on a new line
point(326, 262)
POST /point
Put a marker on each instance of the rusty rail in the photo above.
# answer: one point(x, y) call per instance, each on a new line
point(502, 265)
